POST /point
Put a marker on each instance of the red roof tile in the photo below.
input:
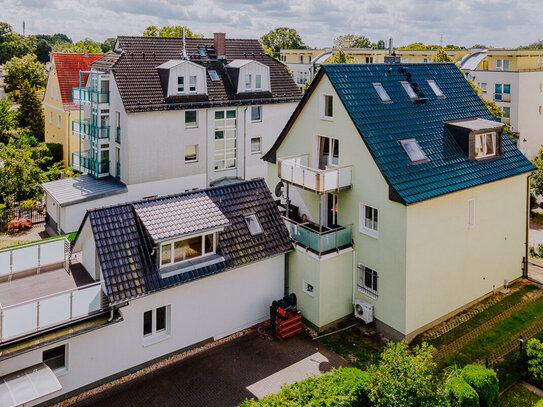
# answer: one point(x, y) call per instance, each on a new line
point(68, 66)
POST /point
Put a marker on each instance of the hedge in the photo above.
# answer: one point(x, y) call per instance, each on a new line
point(461, 394)
point(341, 387)
point(485, 383)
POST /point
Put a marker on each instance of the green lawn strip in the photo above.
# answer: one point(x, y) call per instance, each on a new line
point(490, 340)
point(482, 317)
point(348, 343)
point(518, 396)
point(15, 243)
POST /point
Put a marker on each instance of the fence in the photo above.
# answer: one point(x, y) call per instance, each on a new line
point(35, 214)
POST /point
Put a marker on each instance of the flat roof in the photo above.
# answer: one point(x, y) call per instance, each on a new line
point(476, 124)
point(71, 191)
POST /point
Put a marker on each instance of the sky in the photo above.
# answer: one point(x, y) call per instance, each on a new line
point(497, 23)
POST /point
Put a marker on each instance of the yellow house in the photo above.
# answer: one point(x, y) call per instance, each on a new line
point(59, 109)
point(403, 196)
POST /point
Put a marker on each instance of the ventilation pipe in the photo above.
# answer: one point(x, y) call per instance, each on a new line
point(390, 47)
point(184, 45)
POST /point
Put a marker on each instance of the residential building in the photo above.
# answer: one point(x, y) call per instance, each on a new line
point(513, 79)
point(400, 191)
point(59, 108)
point(155, 277)
point(161, 115)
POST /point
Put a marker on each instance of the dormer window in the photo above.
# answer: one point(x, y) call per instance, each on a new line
point(253, 224)
point(485, 145)
point(258, 82)
point(382, 92)
point(182, 77)
point(192, 83)
point(435, 89)
point(248, 80)
point(478, 138)
point(413, 150)
point(180, 84)
point(187, 248)
point(409, 90)
point(249, 75)
point(214, 76)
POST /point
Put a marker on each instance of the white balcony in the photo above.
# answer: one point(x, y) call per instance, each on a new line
point(295, 170)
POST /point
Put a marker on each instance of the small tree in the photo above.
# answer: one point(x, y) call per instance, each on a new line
point(170, 31)
point(282, 38)
point(43, 49)
point(441, 56)
point(340, 57)
point(536, 180)
point(108, 44)
point(11, 44)
point(25, 68)
point(8, 118)
point(30, 114)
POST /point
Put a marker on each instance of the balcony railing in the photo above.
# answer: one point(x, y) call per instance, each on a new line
point(84, 163)
point(295, 170)
point(89, 95)
point(118, 134)
point(319, 242)
point(84, 129)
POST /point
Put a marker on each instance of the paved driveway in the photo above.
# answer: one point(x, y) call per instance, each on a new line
point(225, 375)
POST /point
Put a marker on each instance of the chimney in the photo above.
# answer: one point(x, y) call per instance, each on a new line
point(219, 43)
point(390, 47)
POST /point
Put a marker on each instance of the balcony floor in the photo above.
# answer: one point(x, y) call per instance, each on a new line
point(39, 285)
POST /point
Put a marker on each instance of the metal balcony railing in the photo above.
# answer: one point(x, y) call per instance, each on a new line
point(84, 129)
point(295, 170)
point(84, 163)
point(89, 95)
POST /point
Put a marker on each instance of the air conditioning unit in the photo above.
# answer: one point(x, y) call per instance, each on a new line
point(363, 310)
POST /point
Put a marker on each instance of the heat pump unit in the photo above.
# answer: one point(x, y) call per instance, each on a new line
point(363, 310)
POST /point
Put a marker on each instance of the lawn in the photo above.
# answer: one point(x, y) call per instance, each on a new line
point(354, 347)
point(518, 396)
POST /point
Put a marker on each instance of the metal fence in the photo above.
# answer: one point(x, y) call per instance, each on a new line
point(35, 214)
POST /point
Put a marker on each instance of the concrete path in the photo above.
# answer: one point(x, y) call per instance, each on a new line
point(225, 375)
point(535, 235)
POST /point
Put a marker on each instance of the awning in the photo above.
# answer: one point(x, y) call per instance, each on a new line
point(27, 385)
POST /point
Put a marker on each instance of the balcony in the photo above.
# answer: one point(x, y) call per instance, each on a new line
point(327, 240)
point(83, 162)
point(87, 96)
point(86, 130)
point(39, 290)
point(295, 170)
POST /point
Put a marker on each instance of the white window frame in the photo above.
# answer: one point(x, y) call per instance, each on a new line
point(59, 121)
point(57, 92)
point(369, 60)
point(324, 116)
point(61, 371)
point(409, 90)
point(171, 243)
point(248, 82)
point(213, 75)
point(259, 145)
point(51, 117)
point(258, 81)
point(362, 228)
point(197, 157)
point(182, 90)
point(259, 114)
point(308, 288)
point(485, 154)
point(471, 213)
point(383, 95)
point(254, 217)
point(405, 59)
point(301, 59)
point(404, 143)
point(483, 86)
point(500, 65)
point(435, 88)
point(191, 126)
point(193, 80)
point(361, 284)
point(225, 125)
point(156, 335)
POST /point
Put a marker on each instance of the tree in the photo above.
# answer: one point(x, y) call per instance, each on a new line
point(340, 57)
point(170, 31)
point(282, 38)
point(534, 45)
point(361, 42)
point(441, 56)
point(11, 44)
point(108, 45)
point(28, 68)
point(30, 115)
point(87, 44)
point(536, 180)
point(43, 50)
point(8, 118)
point(479, 46)
point(379, 45)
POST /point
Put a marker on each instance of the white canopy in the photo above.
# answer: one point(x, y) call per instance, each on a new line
point(27, 385)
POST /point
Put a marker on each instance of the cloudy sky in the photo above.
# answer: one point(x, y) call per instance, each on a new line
point(498, 23)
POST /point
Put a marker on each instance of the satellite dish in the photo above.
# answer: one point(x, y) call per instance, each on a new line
point(279, 189)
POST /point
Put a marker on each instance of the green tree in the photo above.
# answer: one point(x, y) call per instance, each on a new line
point(26, 68)
point(43, 50)
point(479, 46)
point(441, 56)
point(170, 31)
point(536, 183)
point(30, 115)
point(533, 45)
point(87, 44)
point(282, 38)
point(379, 45)
point(108, 45)
point(340, 57)
point(11, 44)
point(361, 42)
point(8, 118)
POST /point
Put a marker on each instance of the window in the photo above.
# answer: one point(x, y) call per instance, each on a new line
point(506, 112)
point(502, 91)
point(309, 59)
point(405, 59)
point(328, 152)
point(301, 59)
point(51, 117)
point(308, 288)
point(186, 249)
point(180, 84)
point(253, 224)
point(256, 113)
point(409, 90)
point(191, 153)
point(367, 281)
point(369, 60)
point(191, 118)
point(426, 59)
point(328, 107)
point(382, 92)
point(256, 145)
point(192, 83)
point(156, 323)
point(413, 150)
point(540, 108)
point(59, 123)
point(52, 92)
point(482, 85)
point(213, 75)
point(258, 82)
point(368, 222)
point(55, 358)
point(502, 64)
point(435, 89)
point(225, 140)
point(485, 145)
point(248, 81)
point(56, 93)
point(471, 213)
point(202, 52)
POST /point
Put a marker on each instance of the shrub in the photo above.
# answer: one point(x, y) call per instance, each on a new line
point(461, 394)
point(534, 360)
point(341, 387)
point(485, 383)
point(55, 151)
point(28, 204)
point(539, 403)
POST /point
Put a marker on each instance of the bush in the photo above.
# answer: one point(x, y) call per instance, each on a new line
point(55, 151)
point(534, 361)
point(341, 387)
point(539, 403)
point(28, 204)
point(485, 383)
point(461, 394)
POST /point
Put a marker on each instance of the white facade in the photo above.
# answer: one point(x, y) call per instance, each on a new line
point(193, 76)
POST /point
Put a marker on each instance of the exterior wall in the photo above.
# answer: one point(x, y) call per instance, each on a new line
point(450, 264)
point(254, 68)
point(85, 244)
point(187, 69)
point(209, 308)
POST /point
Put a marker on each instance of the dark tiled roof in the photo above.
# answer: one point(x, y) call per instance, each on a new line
point(140, 87)
point(382, 125)
point(124, 248)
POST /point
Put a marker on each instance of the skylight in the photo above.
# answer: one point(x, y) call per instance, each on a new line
point(253, 224)
point(202, 52)
point(213, 75)
point(382, 92)
point(413, 150)
point(435, 88)
point(410, 92)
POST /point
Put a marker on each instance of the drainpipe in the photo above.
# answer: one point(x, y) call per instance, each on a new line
point(525, 268)
point(111, 312)
point(286, 274)
point(245, 155)
point(354, 275)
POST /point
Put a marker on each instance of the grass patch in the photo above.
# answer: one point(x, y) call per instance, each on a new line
point(518, 396)
point(536, 217)
point(352, 346)
point(484, 344)
point(482, 317)
point(6, 244)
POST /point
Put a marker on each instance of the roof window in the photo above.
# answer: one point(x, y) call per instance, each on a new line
point(413, 150)
point(409, 90)
point(382, 92)
point(253, 224)
point(202, 52)
point(436, 89)
point(213, 75)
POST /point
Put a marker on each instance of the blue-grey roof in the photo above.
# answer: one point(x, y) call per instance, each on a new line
point(382, 125)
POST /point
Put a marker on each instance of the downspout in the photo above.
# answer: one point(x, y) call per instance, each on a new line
point(525, 268)
point(245, 155)
point(111, 313)
point(354, 276)
point(286, 274)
